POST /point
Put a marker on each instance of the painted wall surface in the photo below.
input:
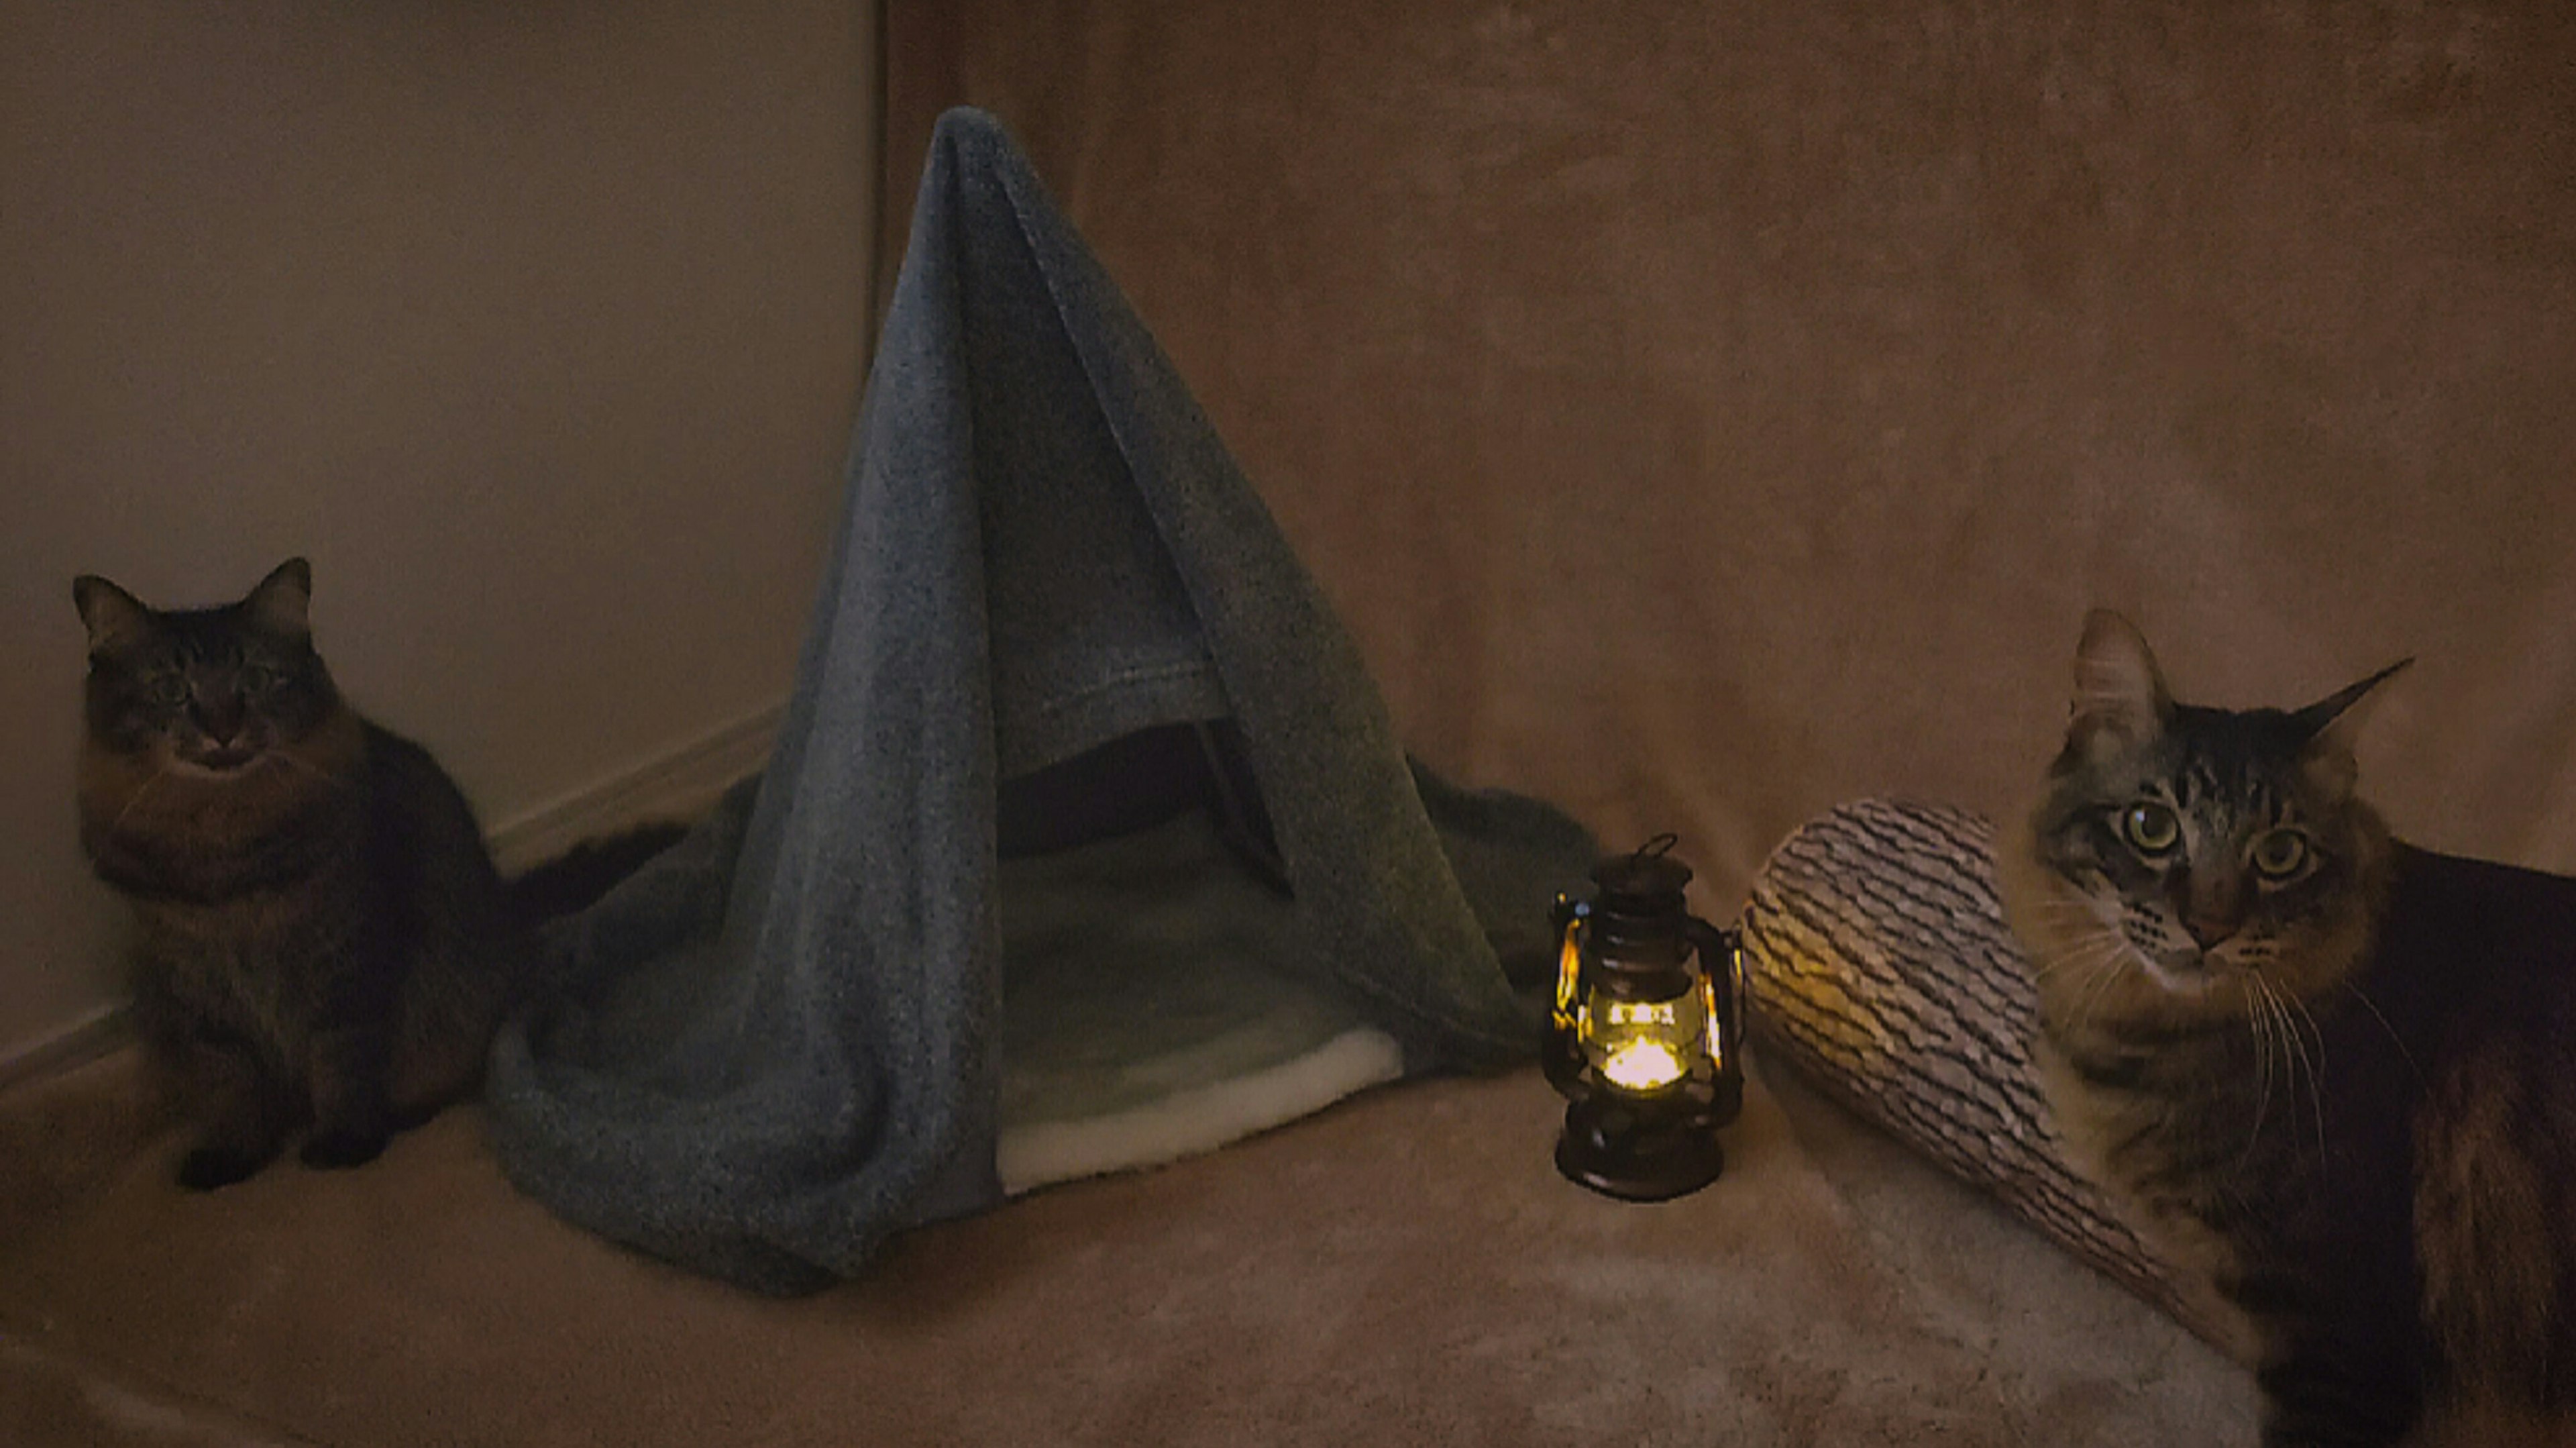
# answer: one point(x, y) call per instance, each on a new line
point(537, 327)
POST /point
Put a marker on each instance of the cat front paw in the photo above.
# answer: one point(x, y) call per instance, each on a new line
point(209, 1167)
point(337, 1148)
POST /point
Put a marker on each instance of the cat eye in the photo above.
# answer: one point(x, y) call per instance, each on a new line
point(2150, 828)
point(2280, 854)
point(170, 690)
point(260, 678)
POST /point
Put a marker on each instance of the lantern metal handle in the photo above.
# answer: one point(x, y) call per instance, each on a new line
point(1561, 1057)
point(1721, 960)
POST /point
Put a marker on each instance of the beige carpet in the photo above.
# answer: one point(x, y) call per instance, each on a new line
point(1404, 1269)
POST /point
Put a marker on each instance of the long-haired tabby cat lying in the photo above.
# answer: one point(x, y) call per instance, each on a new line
point(2331, 1074)
point(325, 943)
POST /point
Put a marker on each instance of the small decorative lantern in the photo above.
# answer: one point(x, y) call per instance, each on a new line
point(1645, 1038)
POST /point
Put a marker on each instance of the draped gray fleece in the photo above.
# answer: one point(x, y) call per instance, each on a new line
point(796, 1032)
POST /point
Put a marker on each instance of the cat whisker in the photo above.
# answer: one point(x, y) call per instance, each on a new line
point(2080, 931)
point(2313, 1064)
point(324, 775)
point(2098, 990)
point(2296, 1065)
point(2086, 963)
point(2316, 1071)
point(2394, 1039)
point(2259, 1021)
point(2102, 949)
point(131, 800)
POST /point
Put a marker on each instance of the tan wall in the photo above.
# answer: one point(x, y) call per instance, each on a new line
point(538, 327)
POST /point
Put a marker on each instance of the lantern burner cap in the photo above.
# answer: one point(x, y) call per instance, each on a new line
point(1640, 912)
point(1645, 881)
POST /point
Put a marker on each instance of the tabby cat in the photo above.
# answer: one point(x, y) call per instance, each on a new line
point(2329, 1075)
point(325, 944)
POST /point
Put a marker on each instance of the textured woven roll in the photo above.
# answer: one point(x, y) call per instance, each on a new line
point(1878, 966)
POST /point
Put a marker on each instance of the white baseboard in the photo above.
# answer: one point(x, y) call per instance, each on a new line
point(84, 1038)
point(677, 784)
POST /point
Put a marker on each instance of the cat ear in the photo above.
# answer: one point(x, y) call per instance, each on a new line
point(114, 616)
point(2332, 724)
point(280, 602)
point(2119, 691)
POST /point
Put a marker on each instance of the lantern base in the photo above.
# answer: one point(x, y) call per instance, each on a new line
point(1636, 1153)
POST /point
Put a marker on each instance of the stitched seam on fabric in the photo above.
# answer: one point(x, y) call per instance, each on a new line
point(1062, 702)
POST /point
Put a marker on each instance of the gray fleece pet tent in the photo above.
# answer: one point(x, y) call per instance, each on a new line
point(1086, 842)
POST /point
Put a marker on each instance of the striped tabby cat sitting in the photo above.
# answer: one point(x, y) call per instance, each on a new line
point(325, 946)
point(2329, 1074)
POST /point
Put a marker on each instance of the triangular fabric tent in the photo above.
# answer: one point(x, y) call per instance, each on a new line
point(971, 930)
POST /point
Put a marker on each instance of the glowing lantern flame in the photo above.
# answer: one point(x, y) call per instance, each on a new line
point(1644, 1066)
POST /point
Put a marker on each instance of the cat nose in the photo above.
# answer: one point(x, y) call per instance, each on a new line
point(220, 718)
point(2207, 933)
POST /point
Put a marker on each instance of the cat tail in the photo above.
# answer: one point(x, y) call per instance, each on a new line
point(570, 882)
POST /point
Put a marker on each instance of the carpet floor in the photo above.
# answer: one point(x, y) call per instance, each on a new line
point(1403, 1268)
